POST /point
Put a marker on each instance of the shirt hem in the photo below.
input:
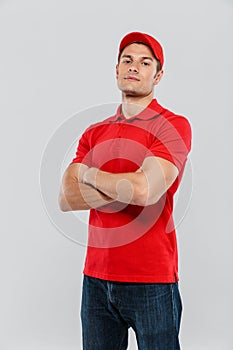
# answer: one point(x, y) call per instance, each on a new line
point(134, 278)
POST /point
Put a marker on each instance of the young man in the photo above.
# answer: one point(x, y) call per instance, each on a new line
point(126, 171)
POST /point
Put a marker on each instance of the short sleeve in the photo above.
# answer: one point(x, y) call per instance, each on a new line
point(83, 151)
point(172, 140)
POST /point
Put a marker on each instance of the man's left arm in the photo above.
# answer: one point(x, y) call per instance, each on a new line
point(143, 187)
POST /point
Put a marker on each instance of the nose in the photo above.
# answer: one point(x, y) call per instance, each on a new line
point(133, 68)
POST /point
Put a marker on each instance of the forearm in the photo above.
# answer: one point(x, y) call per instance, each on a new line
point(143, 187)
point(79, 196)
point(124, 187)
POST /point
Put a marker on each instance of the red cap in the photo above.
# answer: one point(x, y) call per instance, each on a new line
point(145, 39)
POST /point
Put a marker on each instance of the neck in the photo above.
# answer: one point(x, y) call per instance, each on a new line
point(132, 105)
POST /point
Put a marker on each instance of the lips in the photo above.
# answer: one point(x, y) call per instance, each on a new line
point(131, 78)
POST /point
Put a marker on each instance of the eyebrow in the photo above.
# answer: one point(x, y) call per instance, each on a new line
point(144, 57)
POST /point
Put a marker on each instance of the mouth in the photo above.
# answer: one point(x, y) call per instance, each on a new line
point(131, 78)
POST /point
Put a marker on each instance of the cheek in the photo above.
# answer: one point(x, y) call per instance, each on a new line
point(152, 78)
point(148, 78)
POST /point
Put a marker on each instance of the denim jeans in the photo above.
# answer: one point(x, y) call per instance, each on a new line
point(109, 309)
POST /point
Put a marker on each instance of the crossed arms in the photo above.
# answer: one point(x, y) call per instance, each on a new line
point(83, 188)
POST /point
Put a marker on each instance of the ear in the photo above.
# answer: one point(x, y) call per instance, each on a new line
point(117, 70)
point(158, 77)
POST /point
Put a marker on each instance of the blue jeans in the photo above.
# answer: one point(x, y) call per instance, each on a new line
point(109, 309)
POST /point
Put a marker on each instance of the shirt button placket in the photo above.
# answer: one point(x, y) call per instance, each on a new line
point(123, 125)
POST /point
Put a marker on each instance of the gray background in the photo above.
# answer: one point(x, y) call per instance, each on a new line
point(57, 58)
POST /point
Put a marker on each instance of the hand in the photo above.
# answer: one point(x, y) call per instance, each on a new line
point(81, 170)
point(89, 176)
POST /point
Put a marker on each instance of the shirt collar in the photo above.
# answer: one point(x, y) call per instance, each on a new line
point(151, 111)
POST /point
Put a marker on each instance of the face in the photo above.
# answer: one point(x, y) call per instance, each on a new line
point(136, 71)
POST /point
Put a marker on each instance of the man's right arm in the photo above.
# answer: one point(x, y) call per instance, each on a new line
point(75, 195)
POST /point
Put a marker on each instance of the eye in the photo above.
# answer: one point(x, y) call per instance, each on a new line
point(127, 61)
point(145, 63)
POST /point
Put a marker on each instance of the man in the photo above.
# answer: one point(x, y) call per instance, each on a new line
point(126, 171)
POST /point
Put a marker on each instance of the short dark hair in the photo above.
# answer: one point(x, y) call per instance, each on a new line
point(139, 42)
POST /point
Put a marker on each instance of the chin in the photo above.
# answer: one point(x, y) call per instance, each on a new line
point(130, 92)
point(134, 93)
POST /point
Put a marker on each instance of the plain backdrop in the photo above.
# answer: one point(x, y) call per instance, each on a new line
point(58, 58)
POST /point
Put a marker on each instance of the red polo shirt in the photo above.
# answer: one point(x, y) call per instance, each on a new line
point(131, 243)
